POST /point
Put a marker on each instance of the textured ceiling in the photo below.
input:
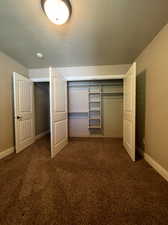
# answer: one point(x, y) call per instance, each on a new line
point(100, 32)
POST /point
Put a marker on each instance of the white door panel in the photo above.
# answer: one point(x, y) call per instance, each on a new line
point(59, 95)
point(58, 112)
point(24, 112)
point(129, 111)
point(25, 129)
point(60, 116)
point(59, 131)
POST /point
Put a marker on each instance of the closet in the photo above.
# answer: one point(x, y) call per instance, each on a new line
point(95, 108)
point(90, 107)
point(86, 109)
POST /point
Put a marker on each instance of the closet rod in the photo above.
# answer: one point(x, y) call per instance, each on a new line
point(91, 85)
point(113, 93)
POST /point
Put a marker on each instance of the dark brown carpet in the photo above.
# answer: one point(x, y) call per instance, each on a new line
point(91, 182)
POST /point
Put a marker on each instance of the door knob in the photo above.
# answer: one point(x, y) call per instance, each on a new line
point(19, 117)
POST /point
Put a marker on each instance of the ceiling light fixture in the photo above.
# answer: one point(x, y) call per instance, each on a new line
point(58, 11)
point(39, 55)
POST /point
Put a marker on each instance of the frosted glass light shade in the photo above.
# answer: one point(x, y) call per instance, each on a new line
point(57, 11)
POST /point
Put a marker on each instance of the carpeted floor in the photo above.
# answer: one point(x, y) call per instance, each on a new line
point(91, 182)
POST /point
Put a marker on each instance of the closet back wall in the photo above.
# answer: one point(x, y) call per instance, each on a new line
point(41, 94)
point(113, 117)
point(111, 109)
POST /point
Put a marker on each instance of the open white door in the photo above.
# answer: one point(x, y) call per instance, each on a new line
point(58, 112)
point(129, 111)
point(24, 112)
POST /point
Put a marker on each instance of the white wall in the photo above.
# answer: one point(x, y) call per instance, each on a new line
point(86, 71)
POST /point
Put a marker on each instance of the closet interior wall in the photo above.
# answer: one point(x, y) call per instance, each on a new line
point(42, 107)
point(95, 108)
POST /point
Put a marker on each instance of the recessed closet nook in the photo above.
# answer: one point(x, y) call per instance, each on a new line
point(95, 108)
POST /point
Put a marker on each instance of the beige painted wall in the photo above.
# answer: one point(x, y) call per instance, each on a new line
point(41, 94)
point(153, 64)
point(7, 67)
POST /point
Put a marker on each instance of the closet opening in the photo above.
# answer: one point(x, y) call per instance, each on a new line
point(95, 108)
point(42, 111)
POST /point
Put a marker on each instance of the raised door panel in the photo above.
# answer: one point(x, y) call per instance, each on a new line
point(25, 97)
point(60, 131)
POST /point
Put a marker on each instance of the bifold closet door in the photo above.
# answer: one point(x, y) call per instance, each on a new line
point(129, 111)
point(58, 112)
point(24, 112)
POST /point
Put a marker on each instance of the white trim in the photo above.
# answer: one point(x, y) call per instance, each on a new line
point(42, 135)
point(6, 152)
point(163, 172)
point(36, 80)
point(79, 78)
point(95, 77)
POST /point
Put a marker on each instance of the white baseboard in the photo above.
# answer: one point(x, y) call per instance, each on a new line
point(42, 135)
point(11, 150)
point(163, 172)
point(6, 152)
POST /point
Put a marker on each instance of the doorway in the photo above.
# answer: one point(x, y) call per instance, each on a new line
point(41, 109)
